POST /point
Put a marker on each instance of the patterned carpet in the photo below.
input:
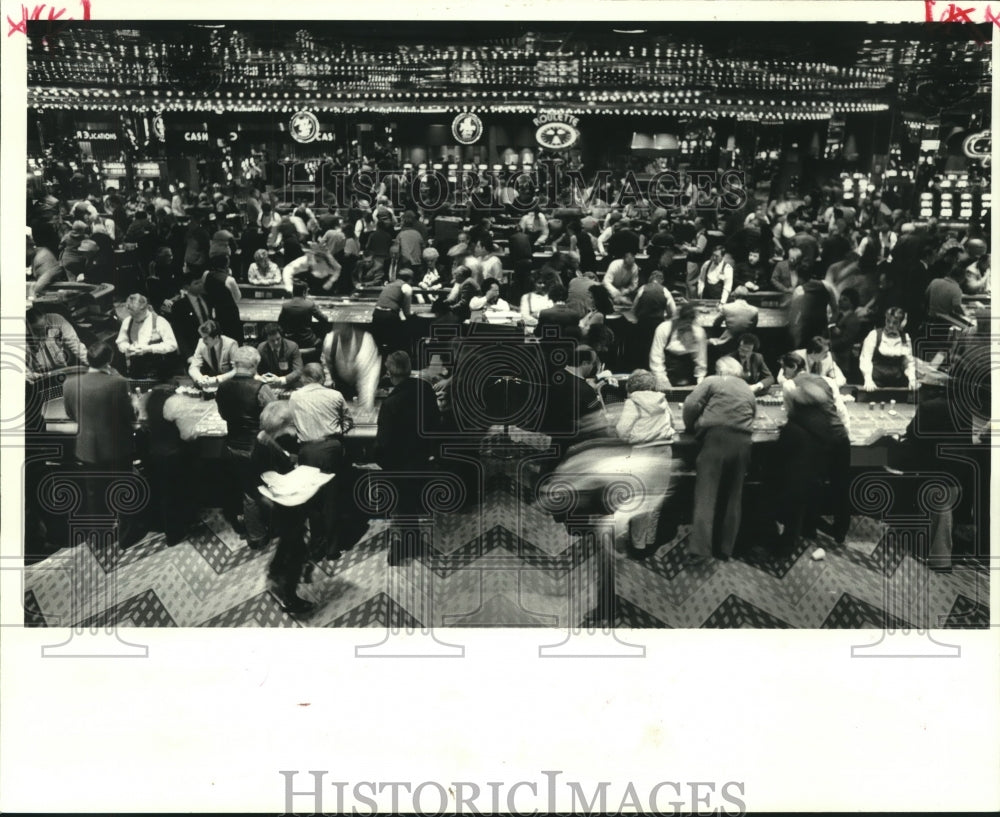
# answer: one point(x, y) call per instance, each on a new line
point(506, 563)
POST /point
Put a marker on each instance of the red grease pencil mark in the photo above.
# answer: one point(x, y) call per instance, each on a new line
point(20, 26)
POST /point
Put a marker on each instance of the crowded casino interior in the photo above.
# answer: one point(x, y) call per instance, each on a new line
point(579, 325)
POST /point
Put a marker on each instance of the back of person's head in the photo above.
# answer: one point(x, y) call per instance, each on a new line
point(656, 276)
point(818, 346)
point(852, 296)
point(641, 380)
point(219, 262)
point(99, 354)
point(398, 365)
point(728, 366)
point(209, 329)
point(246, 357)
point(300, 289)
point(557, 293)
point(749, 339)
point(312, 373)
point(602, 299)
point(276, 418)
point(584, 356)
point(405, 274)
point(794, 362)
point(686, 313)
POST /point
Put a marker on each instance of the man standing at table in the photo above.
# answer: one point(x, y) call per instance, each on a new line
point(720, 413)
point(52, 343)
point(240, 400)
point(147, 341)
point(404, 441)
point(322, 418)
point(99, 402)
point(622, 278)
point(297, 316)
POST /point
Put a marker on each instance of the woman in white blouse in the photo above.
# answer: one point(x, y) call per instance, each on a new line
point(534, 302)
point(886, 355)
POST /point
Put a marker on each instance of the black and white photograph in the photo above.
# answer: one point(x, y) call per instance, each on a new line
point(508, 325)
point(577, 332)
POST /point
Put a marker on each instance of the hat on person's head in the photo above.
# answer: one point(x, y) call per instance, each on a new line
point(88, 246)
point(458, 249)
point(79, 227)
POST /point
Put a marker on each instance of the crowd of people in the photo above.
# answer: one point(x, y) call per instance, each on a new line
point(866, 291)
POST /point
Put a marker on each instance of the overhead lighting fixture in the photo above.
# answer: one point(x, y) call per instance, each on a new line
point(629, 30)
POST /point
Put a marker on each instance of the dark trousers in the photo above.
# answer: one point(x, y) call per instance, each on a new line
point(388, 331)
point(807, 460)
point(291, 553)
point(171, 495)
point(718, 492)
point(323, 510)
point(131, 526)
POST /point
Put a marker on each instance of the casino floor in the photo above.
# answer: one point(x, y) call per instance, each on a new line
point(504, 562)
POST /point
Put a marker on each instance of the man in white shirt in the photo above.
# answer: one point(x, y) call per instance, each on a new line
point(147, 341)
point(622, 279)
point(678, 355)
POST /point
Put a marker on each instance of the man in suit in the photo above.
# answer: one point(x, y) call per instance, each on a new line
point(302, 321)
point(280, 359)
point(187, 312)
point(404, 440)
point(99, 402)
point(212, 361)
point(559, 314)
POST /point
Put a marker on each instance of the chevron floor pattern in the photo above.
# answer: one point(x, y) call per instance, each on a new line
point(505, 563)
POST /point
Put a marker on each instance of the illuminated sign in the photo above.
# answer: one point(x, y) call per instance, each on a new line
point(304, 127)
point(96, 136)
point(556, 130)
point(467, 128)
point(978, 145)
point(196, 136)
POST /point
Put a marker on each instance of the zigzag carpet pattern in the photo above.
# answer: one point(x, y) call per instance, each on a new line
point(505, 562)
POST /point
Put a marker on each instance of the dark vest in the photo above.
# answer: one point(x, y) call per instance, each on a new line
point(239, 407)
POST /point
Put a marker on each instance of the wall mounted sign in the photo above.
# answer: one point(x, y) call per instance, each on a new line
point(96, 136)
point(978, 145)
point(159, 128)
point(556, 130)
point(304, 127)
point(196, 136)
point(467, 128)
